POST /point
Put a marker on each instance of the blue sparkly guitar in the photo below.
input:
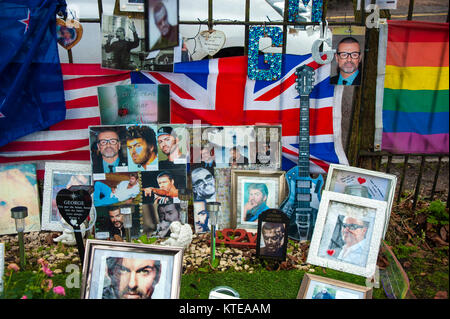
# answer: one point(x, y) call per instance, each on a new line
point(302, 204)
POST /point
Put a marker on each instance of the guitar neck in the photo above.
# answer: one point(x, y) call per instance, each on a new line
point(303, 145)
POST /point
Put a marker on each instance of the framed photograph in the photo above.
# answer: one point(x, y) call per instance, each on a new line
point(272, 238)
point(132, 5)
point(119, 270)
point(14, 177)
point(68, 35)
point(363, 182)
point(253, 192)
point(2, 265)
point(110, 223)
point(348, 43)
point(318, 287)
point(134, 104)
point(347, 234)
point(60, 176)
point(161, 21)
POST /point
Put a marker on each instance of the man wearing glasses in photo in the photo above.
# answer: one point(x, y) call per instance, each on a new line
point(348, 57)
point(109, 157)
point(356, 247)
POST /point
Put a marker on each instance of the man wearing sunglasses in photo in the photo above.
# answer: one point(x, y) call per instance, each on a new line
point(348, 57)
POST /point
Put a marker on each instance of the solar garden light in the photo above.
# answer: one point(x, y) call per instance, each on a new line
point(127, 221)
point(19, 213)
point(213, 209)
point(184, 195)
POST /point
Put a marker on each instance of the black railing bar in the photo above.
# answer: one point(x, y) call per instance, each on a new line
point(436, 176)
point(382, 153)
point(282, 23)
point(388, 165)
point(410, 10)
point(402, 178)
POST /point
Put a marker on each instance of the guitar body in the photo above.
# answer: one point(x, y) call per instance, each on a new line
point(301, 221)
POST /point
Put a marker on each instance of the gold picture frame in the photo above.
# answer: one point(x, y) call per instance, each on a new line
point(241, 182)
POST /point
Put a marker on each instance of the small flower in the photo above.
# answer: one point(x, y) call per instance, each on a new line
point(42, 262)
point(24, 297)
point(14, 267)
point(47, 271)
point(59, 290)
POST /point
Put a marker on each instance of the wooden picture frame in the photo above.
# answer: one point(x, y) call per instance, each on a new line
point(100, 275)
point(318, 287)
point(271, 182)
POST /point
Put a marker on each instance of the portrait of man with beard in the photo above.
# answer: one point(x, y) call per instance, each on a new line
point(106, 152)
point(274, 237)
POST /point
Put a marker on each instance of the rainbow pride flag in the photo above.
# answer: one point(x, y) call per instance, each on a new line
point(412, 107)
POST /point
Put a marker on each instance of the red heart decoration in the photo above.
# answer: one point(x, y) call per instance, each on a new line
point(361, 180)
point(330, 252)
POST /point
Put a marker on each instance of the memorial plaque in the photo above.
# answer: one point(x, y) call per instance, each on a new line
point(272, 236)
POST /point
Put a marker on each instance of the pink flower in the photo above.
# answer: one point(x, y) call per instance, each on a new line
point(14, 267)
point(47, 271)
point(59, 290)
point(24, 297)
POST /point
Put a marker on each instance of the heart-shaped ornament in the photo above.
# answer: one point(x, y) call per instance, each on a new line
point(361, 180)
point(74, 206)
point(212, 41)
point(237, 234)
point(68, 33)
point(330, 252)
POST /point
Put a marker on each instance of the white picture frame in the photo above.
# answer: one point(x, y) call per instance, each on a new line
point(54, 174)
point(380, 186)
point(96, 271)
point(336, 244)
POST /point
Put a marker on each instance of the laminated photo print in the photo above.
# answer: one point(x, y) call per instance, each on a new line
point(123, 46)
point(201, 218)
point(161, 187)
point(142, 147)
point(161, 18)
point(112, 221)
point(347, 65)
point(108, 150)
point(173, 146)
point(266, 150)
point(166, 215)
point(231, 145)
point(134, 104)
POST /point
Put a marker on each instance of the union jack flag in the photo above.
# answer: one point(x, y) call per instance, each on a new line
point(218, 92)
